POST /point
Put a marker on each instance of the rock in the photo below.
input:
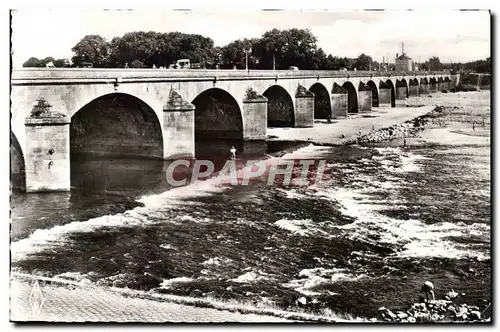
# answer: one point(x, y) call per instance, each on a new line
point(421, 317)
point(475, 315)
point(411, 320)
point(402, 315)
point(373, 320)
point(93, 275)
point(387, 314)
point(302, 300)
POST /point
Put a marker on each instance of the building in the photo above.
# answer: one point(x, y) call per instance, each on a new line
point(403, 62)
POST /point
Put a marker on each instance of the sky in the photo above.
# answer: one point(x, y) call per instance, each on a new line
point(457, 36)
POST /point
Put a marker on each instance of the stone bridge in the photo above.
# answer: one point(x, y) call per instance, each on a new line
point(57, 113)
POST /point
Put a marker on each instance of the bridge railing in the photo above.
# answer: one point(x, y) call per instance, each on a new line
point(104, 73)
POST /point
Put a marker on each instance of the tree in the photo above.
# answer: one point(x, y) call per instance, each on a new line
point(435, 63)
point(363, 62)
point(60, 63)
point(137, 64)
point(233, 54)
point(294, 47)
point(319, 60)
point(33, 62)
point(91, 48)
point(160, 49)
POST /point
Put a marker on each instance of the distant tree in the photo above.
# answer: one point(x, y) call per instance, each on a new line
point(233, 54)
point(215, 57)
point(318, 60)
point(137, 64)
point(160, 49)
point(91, 48)
point(60, 63)
point(293, 47)
point(363, 62)
point(435, 63)
point(33, 62)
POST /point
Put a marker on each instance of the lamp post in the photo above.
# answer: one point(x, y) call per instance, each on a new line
point(246, 60)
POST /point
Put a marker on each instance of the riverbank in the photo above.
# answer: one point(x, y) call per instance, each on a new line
point(61, 300)
point(456, 119)
point(341, 131)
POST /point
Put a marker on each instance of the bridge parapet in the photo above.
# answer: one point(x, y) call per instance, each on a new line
point(86, 74)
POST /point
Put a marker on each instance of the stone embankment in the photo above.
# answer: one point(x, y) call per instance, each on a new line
point(409, 128)
point(444, 310)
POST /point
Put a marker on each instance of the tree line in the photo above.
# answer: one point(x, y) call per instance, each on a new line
point(478, 66)
point(277, 49)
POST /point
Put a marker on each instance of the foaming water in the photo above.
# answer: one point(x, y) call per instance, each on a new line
point(390, 218)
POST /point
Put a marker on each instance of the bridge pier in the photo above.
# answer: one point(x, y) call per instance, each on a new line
point(384, 95)
point(400, 95)
point(255, 116)
point(339, 101)
point(413, 90)
point(424, 88)
point(364, 98)
point(47, 156)
point(433, 87)
point(304, 108)
point(178, 127)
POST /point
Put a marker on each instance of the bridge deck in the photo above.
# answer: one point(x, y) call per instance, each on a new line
point(193, 74)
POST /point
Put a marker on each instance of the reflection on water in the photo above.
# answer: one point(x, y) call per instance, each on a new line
point(104, 185)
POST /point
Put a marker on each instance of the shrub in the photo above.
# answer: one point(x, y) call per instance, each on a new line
point(137, 64)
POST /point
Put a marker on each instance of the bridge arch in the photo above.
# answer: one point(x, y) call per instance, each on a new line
point(433, 84)
point(218, 123)
point(424, 80)
point(373, 87)
point(403, 81)
point(322, 101)
point(414, 87)
point(116, 125)
point(393, 91)
point(280, 108)
point(440, 83)
point(17, 165)
point(352, 97)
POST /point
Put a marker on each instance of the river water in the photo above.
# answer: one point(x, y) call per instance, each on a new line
point(392, 218)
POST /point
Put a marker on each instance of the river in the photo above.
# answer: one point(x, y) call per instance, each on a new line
point(392, 218)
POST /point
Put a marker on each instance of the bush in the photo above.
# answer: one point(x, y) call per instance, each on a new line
point(137, 64)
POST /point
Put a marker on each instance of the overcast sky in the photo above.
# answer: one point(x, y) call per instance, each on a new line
point(456, 36)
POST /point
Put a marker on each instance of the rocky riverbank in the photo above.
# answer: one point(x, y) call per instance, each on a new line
point(409, 128)
point(444, 310)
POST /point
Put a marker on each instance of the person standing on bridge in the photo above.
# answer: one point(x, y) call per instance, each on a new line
point(233, 153)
